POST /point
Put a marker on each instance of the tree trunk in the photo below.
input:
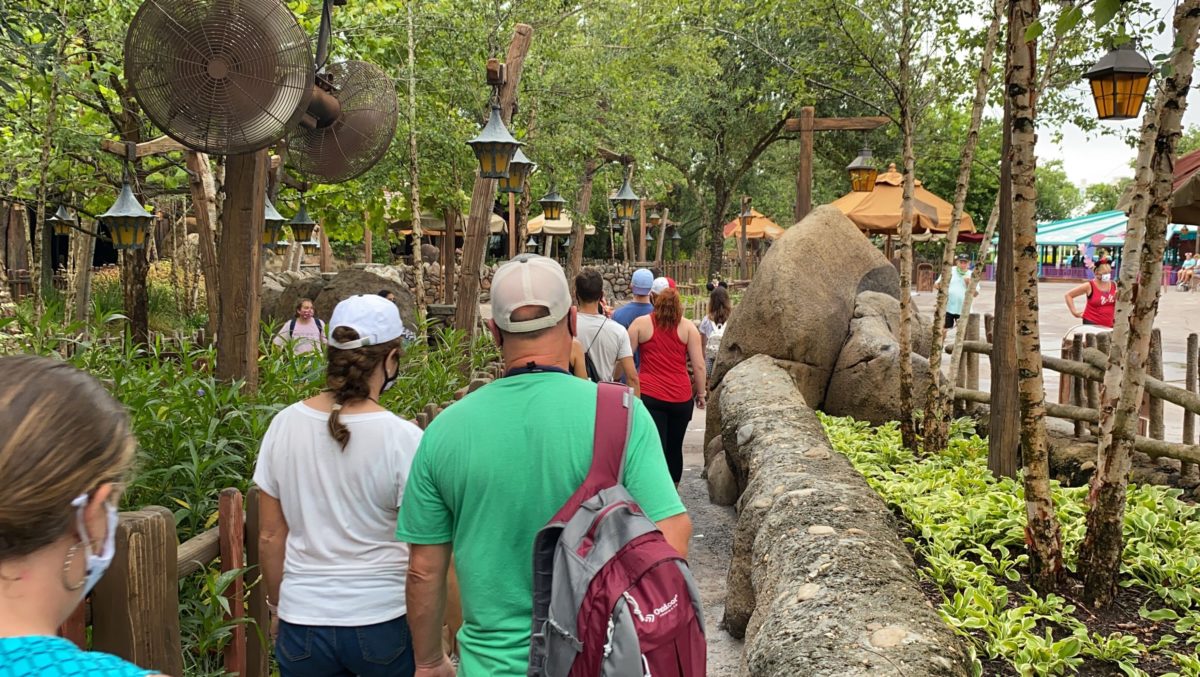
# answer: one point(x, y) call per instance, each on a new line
point(475, 235)
point(938, 399)
point(1005, 414)
point(1137, 304)
point(716, 246)
point(204, 206)
point(414, 173)
point(582, 207)
point(79, 294)
point(908, 431)
point(1042, 534)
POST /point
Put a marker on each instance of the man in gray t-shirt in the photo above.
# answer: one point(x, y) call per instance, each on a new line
point(605, 340)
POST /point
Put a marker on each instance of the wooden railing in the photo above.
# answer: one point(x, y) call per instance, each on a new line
point(134, 610)
point(1081, 372)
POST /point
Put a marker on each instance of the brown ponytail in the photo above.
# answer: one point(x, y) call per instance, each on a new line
point(47, 460)
point(347, 375)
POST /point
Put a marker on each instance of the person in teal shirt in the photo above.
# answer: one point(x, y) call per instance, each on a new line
point(58, 515)
point(960, 276)
point(492, 469)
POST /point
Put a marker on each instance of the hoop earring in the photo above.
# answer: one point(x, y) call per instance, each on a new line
point(67, 569)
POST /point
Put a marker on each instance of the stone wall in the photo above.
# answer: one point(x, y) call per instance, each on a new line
point(820, 583)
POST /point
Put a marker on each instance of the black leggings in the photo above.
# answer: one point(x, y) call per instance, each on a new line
point(671, 419)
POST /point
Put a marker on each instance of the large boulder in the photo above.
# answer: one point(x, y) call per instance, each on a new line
point(371, 279)
point(799, 306)
point(296, 286)
point(866, 379)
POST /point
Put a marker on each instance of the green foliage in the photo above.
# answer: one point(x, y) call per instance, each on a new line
point(1057, 197)
point(968, 533)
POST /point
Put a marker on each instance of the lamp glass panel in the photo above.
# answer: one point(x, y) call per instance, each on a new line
point(1131, 91)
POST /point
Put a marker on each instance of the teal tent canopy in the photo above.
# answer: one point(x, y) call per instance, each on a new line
point(1103, 229)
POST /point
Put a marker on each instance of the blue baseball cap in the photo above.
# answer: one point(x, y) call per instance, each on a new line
point(642, 280)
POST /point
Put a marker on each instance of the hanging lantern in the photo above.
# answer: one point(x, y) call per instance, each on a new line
point(530, 243)
point(1120, 80)
point(746, 216)
point(62, 221)
point(626, 201)
point(567, 241)
point(518, 170)
point(863, 172)
point(494, 147)
point(655, 218)
point(649, 235)
point(127, 220)
point(675, 236)
point(272, 224)
point(552, 204)
point(282, 246)
point(311, 247)
point(302, 224)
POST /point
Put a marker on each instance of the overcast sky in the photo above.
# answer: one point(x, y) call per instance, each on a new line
point(1094, 158)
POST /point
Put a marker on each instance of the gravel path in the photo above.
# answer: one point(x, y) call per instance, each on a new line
point(712, 543)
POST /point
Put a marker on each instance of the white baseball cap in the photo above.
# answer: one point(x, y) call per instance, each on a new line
point(529, 280)
point(376, 319)
point(660, 283)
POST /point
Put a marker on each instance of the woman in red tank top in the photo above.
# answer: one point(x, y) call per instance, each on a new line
point(667, 342)
point(1101, 294)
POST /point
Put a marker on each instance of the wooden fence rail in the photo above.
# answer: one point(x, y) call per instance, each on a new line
point(1081, 372)
point(134, 611)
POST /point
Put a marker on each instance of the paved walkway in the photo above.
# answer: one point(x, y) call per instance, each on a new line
point(712, 545)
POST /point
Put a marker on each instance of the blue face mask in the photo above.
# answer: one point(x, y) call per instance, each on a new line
point(97, 562)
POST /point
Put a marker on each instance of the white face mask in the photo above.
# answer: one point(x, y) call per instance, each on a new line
point(1107, 277)
point(97, 563)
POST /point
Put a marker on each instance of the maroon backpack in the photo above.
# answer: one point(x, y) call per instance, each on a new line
point(611, 598)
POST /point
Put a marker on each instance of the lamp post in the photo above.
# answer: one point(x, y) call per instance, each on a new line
point(302, 224)
point(519, 169)
point(62, 221)
point(552, 204)
point(745, 217)
point(654, 218)
point(272, 224)
point(495, 146)
point(862, 172)
point(675, 238)
point(1120, 80)
point(127, 220)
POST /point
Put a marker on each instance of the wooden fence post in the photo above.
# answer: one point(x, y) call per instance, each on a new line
point(1077, 384)
point(1093, 388)
point(258, 649)
point(989, 322)
point(1190, 471)
point(135, 607)
point(232, 523)
point(1155, 368)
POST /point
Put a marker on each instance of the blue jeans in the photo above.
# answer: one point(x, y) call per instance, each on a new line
point(380, 650)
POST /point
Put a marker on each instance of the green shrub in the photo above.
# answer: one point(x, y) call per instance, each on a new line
point(968, 534)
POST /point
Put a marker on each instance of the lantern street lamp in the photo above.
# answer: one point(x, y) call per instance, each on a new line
point(649, 235)
point(1119, 82)
point(272, 223)
point(519, 169)
point(531, 243)
point(862, 172)
point(281, 246)
point(127, 220)
point(625, 202)
point(494, 147)
point(61, 221)
point(552, 204)
point(675, 238)
point(311, 247)
point(302, 224)
point(654, 218)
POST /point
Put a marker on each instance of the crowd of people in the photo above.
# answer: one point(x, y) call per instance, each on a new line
point(374, 535)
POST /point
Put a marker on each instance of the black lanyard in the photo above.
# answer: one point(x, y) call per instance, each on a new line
point(534, 368)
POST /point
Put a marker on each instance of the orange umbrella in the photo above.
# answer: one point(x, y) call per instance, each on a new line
point(878, 212)
point(759, 227)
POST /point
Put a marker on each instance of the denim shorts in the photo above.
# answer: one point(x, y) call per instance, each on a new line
point(379, 650)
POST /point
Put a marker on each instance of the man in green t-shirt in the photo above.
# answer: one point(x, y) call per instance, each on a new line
point(495, 467)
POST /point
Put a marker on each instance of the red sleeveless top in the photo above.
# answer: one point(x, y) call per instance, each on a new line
point(1100, 305)
point(663, 369)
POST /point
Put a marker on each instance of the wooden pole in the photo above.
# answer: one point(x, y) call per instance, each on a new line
point(476, 233)
point(241, 269)
point(368, 242)
point(642, 230)
point(135, 607)
point(1154, 368)
point(1190, 471)
point(231, 522)
point(450, 217)
point(743, 244)
point(1005, 423)
point(804, 171)
point(513, 235)
point(257, 656)
point(1078, 385)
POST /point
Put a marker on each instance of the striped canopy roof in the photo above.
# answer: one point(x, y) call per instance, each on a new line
point(1103, 229)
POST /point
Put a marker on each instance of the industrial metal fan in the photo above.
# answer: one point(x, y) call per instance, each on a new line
point(350, 135)
point(220, 76)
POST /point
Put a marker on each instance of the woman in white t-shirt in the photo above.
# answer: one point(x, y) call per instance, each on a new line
point(712, 327)
point(332, 471)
